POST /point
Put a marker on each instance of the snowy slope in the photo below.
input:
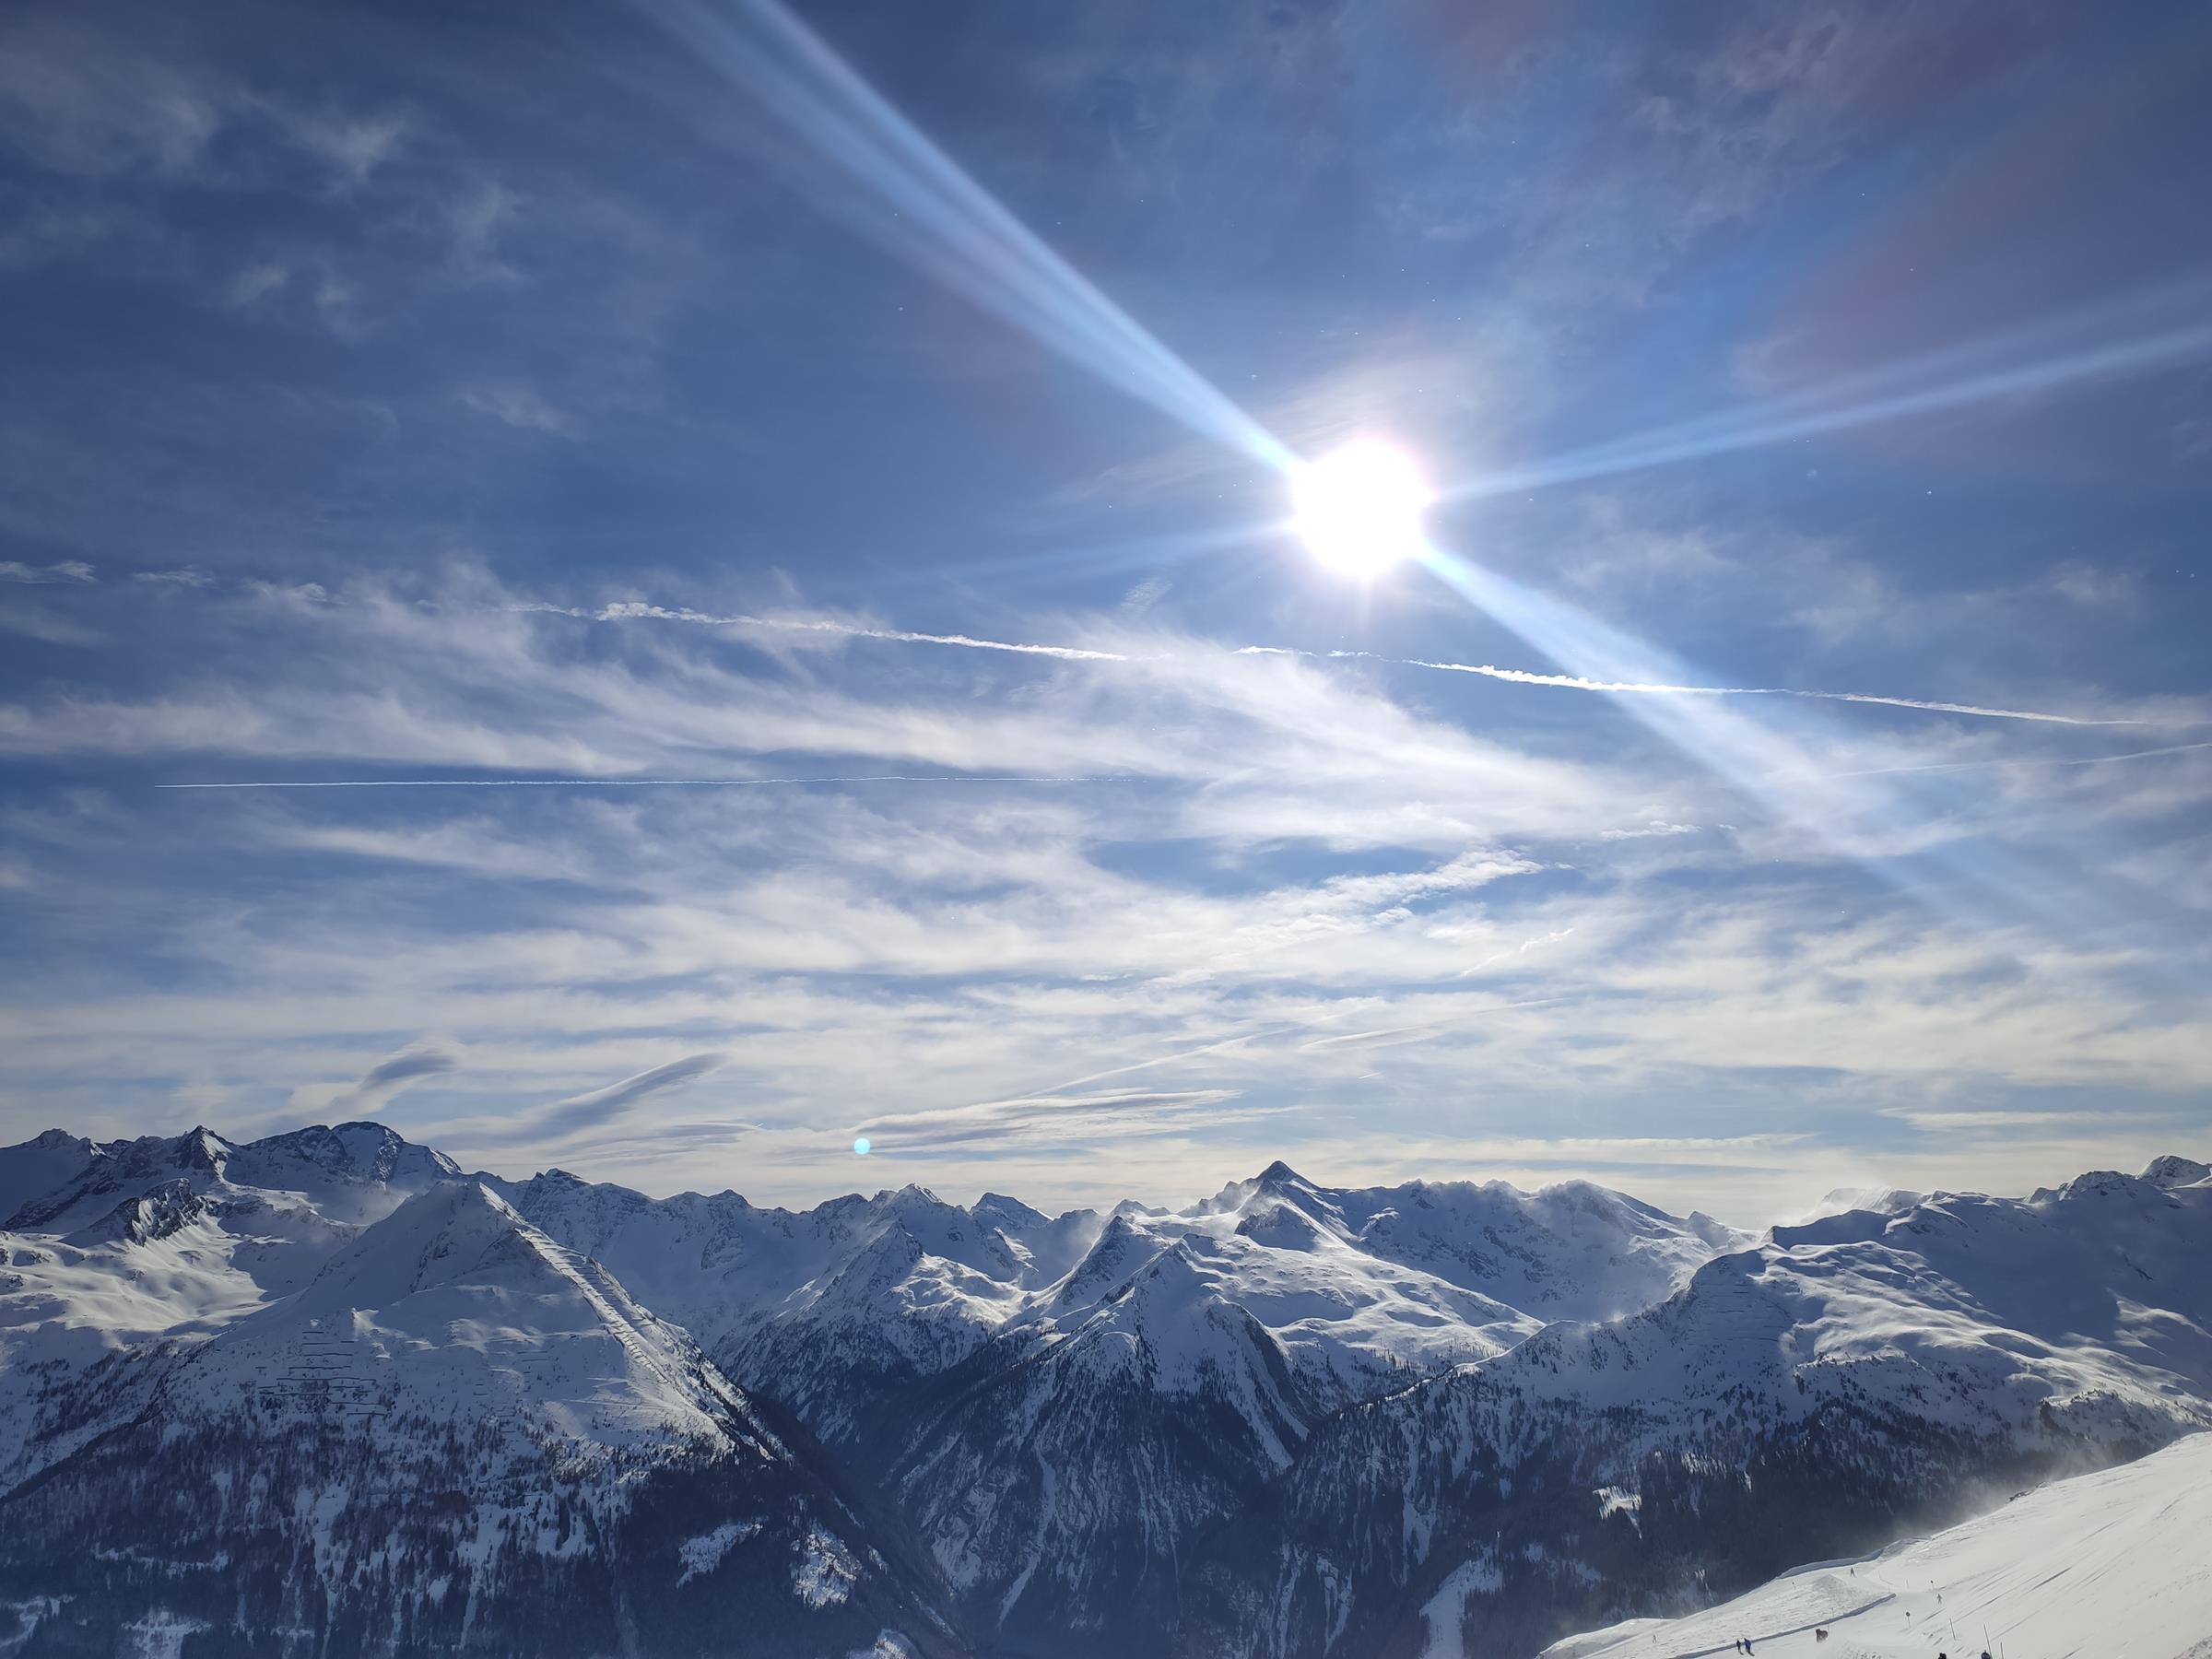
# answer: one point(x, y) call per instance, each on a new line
point(108, 1174)
point(59, 1183)
point(2116, 1563)
point(355, 1173)
point(122, 1255)
point(452, 1308)
point(1573, 1251)
point(36, 1167)
point(828, 1309)
point(2085, 1306)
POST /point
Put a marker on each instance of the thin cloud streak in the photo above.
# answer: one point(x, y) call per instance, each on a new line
point(639, 610)
point(629, 782)
point(1948, 766)
point(1574, 682)
point(596, 1108)
point(395, 1074)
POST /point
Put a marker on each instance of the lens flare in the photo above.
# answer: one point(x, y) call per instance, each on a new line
point(904, 193)
point(861, 1146)
point(1360, 508)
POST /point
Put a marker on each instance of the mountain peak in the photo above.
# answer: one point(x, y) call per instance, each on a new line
point(999, 1210)
point(202, 1147)
point(1278, 1173)
point(2173, 1171)
point(153, 1214)
point(442, 1232)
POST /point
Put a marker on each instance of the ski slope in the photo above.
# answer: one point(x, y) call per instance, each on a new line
point(2116, 1564)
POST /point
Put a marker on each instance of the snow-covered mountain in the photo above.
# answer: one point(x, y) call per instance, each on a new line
point(453, 1432)
point(2112, 1562)
point(117, 1257)
point(460, 1432)
point(1064, 1470)
point(463, 1413)
point(1158, 1365)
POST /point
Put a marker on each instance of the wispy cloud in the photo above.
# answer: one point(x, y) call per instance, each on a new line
point(594, 1108)
point(397, 1073)
point(83, 104)
point(68, 569)
point(637, 782)
point(185, 577)
point(352, 146)
point(1066, 1120)
point(521, 407)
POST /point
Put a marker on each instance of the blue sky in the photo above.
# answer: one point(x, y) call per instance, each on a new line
point(900, 395)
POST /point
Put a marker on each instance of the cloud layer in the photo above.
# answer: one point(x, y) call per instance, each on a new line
point(665, 598)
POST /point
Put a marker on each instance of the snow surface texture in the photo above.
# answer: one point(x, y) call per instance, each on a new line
point(1287, 1421)
point(2116, 1563)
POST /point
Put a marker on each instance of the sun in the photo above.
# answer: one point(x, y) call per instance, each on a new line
point(1360, 508)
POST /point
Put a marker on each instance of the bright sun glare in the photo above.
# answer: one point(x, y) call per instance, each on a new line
point(1360, 507)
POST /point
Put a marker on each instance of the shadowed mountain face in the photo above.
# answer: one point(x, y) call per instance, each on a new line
point(324, 1388)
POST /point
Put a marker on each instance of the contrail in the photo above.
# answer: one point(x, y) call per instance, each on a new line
point(1575, 682)
point(637, 782)
point(1523, 676)
point(1945, 766)
point(637, 610)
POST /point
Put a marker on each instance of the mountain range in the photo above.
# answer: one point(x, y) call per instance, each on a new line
point(325, 1392)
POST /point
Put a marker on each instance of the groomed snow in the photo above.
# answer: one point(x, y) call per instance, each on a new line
point(2116, 1564)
